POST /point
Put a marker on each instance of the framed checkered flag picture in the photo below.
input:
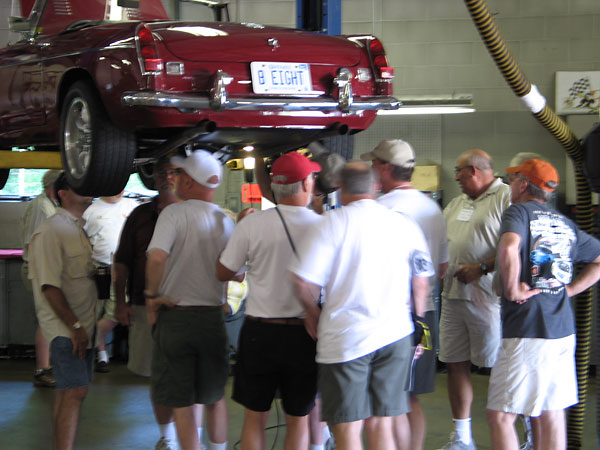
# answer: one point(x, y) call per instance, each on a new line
point(577, 92)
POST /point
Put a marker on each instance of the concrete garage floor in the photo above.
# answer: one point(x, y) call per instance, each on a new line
point(117, 413)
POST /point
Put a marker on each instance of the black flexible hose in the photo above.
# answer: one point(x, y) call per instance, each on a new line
point(584, 216)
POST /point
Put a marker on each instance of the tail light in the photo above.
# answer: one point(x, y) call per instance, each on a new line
point(382, 68)
point(148, 50)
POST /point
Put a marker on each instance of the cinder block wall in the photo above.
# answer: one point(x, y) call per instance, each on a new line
point(436, 49)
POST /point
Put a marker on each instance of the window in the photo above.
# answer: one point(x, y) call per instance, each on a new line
point(24, 182)
point(28, 183)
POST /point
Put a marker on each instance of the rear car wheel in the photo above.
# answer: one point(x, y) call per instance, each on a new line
point(4, 173)
point(97, 156)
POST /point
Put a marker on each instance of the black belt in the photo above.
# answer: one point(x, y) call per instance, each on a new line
point(279, 320)
point(195, 307)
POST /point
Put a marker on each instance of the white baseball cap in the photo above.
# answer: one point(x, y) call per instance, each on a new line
point(202, 166)
point(395, 151)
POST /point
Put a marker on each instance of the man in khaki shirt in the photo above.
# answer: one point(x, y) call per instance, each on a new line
point(470, 319)
point(41, 207)
point(65, 299)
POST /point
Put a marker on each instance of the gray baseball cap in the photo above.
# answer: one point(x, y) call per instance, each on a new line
point(395, 151)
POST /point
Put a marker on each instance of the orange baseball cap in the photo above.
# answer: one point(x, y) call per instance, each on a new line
point(539, 172)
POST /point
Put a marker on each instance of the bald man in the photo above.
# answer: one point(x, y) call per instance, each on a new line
point(470, 319)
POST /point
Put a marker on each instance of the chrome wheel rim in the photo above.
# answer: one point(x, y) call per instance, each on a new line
point(78, 138)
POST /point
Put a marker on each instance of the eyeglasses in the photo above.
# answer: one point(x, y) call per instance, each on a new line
point(513, 176)
point(458, 170)
point(165, 173)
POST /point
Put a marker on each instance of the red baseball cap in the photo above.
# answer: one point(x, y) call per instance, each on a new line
point(541, 173)
point(294, 167)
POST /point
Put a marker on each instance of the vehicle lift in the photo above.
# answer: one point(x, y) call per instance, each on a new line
point(322, 16)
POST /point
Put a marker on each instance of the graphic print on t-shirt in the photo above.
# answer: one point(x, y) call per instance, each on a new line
point(551, 249)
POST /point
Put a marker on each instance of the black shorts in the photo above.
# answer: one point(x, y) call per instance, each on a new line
point(275, 357)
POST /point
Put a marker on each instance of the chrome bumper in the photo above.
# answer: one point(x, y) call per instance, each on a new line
point(219, 100)
point(187, 102)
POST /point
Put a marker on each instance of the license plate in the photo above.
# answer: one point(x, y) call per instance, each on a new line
point(280, 78)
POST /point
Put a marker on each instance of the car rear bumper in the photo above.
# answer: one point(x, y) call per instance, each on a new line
point(191, 102)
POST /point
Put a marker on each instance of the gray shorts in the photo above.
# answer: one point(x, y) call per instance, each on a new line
point(190, 362)
point(372, 385)
point(70, 371)
point(425, 367)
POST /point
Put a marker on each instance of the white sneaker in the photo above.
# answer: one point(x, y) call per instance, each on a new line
point(166, 444)
point(457, 444)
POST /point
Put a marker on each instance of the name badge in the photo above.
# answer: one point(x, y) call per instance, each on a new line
point(465, 214)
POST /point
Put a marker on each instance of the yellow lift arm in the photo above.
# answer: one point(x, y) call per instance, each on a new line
point(29, 160)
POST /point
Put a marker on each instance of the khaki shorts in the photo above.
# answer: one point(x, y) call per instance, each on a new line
point(105, 309)
point(372, 385)
point(25, 277)
point(469, 331)
point(140, 343)
point(533, 375)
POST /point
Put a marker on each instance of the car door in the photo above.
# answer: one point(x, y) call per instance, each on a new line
point(21, 90)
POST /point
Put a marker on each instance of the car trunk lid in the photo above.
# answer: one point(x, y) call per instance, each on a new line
point(244, 43)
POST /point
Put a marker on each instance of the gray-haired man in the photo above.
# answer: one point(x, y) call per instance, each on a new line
point(361, 255)
point(394, 162)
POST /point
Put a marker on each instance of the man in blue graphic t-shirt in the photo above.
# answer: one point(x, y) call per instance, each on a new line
point(534, 374)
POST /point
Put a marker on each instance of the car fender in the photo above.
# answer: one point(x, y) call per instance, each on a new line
point(111, 72)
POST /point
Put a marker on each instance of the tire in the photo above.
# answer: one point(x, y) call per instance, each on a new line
point(343, 145)
point(146, 174)
point(4, 173)
point(96, 155)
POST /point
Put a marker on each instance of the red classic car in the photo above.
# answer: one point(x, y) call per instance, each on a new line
point(112, 85)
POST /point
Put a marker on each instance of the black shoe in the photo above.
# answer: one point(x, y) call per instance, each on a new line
point(102, 367)
point(484, 371)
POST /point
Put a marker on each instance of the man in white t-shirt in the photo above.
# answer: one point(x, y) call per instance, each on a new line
point(184, 299)
point(373, 264)
point(394, 162)
point(275, 351)
point(104, 220)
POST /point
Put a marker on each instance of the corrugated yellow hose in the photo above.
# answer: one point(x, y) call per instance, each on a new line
point(536, 103)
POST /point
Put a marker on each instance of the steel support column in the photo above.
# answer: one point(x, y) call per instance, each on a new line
point(323, 16)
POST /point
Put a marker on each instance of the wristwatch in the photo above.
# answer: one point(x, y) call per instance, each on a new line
point(149, 295)
point(76, 326)
point(484, 268)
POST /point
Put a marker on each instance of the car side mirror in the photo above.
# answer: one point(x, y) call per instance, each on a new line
point(19, 24)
